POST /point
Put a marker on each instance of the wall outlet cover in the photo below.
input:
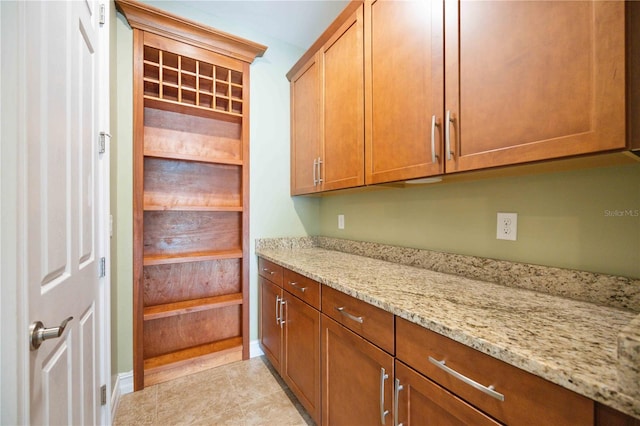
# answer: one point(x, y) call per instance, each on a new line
point(507, 227)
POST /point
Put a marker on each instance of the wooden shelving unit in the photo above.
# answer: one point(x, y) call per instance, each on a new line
point(191, 195)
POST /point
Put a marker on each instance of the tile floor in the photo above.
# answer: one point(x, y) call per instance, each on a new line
point(243, 393)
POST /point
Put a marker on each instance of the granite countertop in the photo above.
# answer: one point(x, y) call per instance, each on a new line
point(568, 342)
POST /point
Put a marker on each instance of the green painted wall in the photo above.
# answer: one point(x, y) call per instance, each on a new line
point(585, 219)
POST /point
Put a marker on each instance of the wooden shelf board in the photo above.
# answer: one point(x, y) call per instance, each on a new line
point(192, 360)
point(195, 208)
point(188, 306)
point(191, 157)
point(161, 259)
point(174, 106)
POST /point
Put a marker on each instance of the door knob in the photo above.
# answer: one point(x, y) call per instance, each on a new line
point(38, 333)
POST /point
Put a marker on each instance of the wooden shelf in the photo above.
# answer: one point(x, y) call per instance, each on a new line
point(194, 208)
point(188, 306)
point(192, 157)
point(181, 108)
point(192, 360)
point(162, 259)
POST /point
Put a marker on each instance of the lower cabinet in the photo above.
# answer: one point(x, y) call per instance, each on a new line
point(419, 401)
point(290, 339)
point(357, 379)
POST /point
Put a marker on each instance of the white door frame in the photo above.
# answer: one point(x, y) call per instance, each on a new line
point(14, 347)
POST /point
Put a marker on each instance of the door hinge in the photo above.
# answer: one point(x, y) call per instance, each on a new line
point(102, 142)
point(103, 395)
point(103, 267)
point(103, 12)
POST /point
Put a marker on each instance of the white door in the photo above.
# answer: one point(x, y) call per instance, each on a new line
point(62, 206)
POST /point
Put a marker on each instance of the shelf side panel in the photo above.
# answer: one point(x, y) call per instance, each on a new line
point(171, 334)
point(182, 232)
point(191, 136)
point(194, 280)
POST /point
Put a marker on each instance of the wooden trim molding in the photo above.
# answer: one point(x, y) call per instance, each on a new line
point(150, 19)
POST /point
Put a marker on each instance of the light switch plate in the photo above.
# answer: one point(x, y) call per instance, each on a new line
point(507, 228)
point(340, 221)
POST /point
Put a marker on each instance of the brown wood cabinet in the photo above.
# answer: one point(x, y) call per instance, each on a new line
point(419, 401)
point(357, 379)
point(290, 332)
point(191, 195)
point(507, 393)
point(327, 110)
point(528, 81)
point(458, 86)
point(404, 60)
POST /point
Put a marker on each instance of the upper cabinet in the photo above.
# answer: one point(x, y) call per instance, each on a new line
point(405, 89)
point(327, 109)
point(456, 86)
point(529, 81)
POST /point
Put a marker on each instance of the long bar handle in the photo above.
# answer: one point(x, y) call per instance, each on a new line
point(447, 133)
point(320, 180)
point(315, 166)
point(489, 390)
point(434, 124)
point(396, 398)
point(383, 413)
point(282, 303)
point(297, 286)
point(278, 319)
point(348, 315)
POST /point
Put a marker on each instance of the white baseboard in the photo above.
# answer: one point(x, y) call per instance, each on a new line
point(124, 385)
point(254, 349)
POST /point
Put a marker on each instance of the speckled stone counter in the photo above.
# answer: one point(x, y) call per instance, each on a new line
point(572, 343)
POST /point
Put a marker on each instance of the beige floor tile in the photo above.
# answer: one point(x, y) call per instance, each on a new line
point(138, 408)
point(272, 409)
point(244, 393)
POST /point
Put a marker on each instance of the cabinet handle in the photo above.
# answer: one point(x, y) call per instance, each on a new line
point(297, 286)
point(348, 315)
point(266, 270)
point(383, 377)
point(447, 133)
point(282, 303)
point(277, 310)
point(315, 166)
point(320, 180)
point(434, 124)
point(396, 407)
point(489, 390)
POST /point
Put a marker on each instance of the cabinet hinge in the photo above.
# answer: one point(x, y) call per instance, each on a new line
point(103, 267)
point(102, 18)
point(102, 142)
point(103, 395)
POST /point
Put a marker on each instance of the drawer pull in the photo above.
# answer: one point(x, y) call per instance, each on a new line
point(348, 315)
point(297, 286)
point(488, 390)
point(266, 270)
point(383, 377)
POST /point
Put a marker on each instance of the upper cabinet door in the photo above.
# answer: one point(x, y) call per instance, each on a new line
point(343, 107)
point(305, 128)
point(528, 81)
point(404, 89)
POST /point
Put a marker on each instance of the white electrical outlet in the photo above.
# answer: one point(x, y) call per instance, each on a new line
point(507, 228)
point(340, 221)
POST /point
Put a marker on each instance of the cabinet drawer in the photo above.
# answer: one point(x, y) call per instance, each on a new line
point(527, 398)
point(270, 271)
point(370, 322)
point(302, 287)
